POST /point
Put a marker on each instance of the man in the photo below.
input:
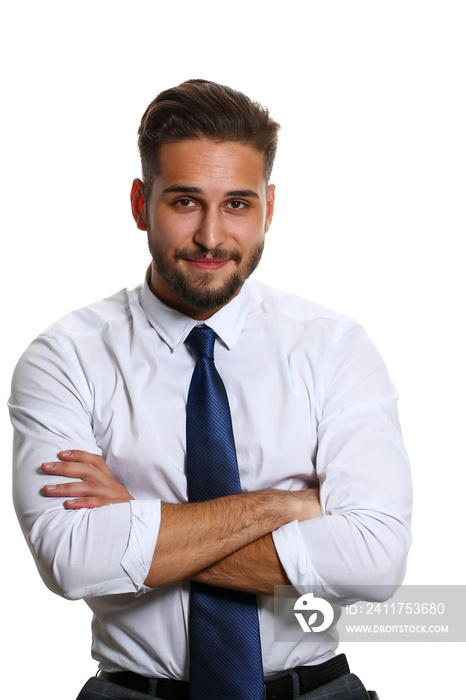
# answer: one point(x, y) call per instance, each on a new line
point(117, 409)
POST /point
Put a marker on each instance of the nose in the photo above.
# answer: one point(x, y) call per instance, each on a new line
point(210, 232)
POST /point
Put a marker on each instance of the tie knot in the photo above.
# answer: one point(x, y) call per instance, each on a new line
point(201, 340)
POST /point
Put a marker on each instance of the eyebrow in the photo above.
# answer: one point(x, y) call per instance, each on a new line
point(197, 190)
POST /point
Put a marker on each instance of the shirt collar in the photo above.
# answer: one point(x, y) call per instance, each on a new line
point(174, 327)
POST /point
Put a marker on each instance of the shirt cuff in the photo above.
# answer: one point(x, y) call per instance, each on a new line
point(294, 558)
point(145, 524)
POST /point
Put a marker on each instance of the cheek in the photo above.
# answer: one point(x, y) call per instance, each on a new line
point(170, 231)
point(248, 236)
point(247, 228)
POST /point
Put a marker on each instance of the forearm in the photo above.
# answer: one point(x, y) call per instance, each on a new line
point(191, 537)
point(255, 568)
point(194, 536)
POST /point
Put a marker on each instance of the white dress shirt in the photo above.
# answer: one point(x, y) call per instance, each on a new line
point(311, 401)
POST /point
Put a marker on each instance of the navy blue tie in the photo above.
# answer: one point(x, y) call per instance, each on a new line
point(225, 651)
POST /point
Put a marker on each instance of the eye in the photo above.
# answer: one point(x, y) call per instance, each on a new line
point(185, 203)
point(236, 205)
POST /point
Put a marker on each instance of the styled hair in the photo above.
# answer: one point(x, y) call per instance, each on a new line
point(203, 109)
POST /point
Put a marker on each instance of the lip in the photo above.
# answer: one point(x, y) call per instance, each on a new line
point(211, 264)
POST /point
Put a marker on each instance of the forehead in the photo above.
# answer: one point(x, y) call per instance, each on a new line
point(209, 164)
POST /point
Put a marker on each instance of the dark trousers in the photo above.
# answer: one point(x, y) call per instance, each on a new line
point(347, 687)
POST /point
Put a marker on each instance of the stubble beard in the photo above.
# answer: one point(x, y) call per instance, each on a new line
point(197, 293)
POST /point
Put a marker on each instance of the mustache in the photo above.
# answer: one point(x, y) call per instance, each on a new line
point(215, 254)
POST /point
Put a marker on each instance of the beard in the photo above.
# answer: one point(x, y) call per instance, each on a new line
point(197, 293)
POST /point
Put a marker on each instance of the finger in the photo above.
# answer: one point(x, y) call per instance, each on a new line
point(87, 502)
point(75, 470)
point(76, 489)
point(85, 457)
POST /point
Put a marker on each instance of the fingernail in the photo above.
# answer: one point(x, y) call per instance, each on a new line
point(50, 488)
point(67, 453)
point(49, 465)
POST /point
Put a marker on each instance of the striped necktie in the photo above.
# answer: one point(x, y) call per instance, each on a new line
point(225, 652)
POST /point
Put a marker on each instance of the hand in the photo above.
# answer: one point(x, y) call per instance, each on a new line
point(307, 503)
point(97, 486)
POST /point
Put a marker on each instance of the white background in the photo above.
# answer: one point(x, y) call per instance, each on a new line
point(370, 218)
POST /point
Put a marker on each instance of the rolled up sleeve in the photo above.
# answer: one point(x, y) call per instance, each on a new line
point(360, 544)
point(79, 553)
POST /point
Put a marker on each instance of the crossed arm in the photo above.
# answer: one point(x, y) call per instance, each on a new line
point(225, 542)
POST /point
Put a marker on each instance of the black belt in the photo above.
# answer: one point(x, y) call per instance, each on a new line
point(310, 678)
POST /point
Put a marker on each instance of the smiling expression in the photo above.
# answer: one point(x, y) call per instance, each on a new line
point(206, 219)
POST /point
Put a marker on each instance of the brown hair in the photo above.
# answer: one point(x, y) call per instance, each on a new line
point(200, 108)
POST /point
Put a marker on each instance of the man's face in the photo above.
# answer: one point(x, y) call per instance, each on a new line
point(206, 219)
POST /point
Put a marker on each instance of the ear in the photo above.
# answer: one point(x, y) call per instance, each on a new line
point(270, 206)
point(138, 203)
